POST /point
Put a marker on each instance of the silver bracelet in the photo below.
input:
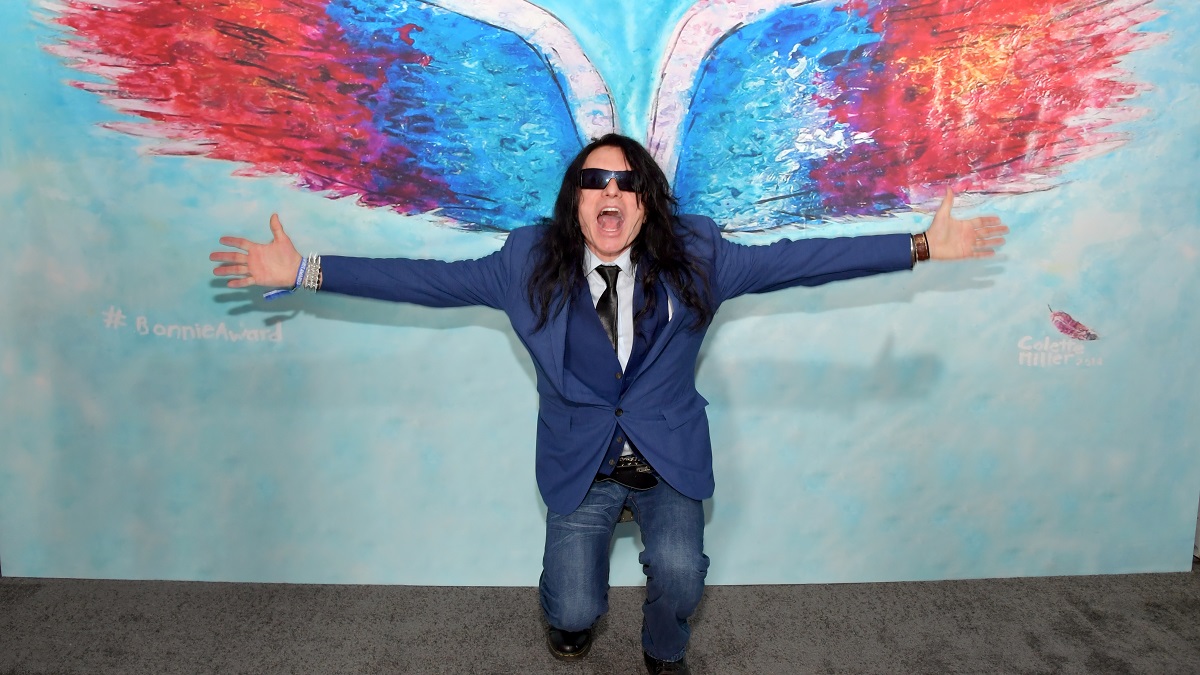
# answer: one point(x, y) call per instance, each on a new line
point(312, 275)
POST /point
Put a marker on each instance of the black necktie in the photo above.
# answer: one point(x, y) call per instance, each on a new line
point(606, 307)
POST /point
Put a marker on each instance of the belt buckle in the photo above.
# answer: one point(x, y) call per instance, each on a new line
point(634, 473)
point(632, 462)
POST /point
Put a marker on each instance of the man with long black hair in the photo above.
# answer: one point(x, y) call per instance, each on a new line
point(612, 297)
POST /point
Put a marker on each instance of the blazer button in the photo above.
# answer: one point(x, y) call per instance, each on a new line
point(620, 440)
point(612, 462)
point(620, 412)
point(618, 375)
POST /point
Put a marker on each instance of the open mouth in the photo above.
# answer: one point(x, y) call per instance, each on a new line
point(610, 218)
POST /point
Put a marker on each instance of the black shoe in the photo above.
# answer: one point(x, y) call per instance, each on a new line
point(656, 667)
point(568, 644)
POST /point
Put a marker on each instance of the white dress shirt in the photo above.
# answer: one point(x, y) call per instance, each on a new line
point(624, 298)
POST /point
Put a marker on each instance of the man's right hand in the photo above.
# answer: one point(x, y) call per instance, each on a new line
point(274, 264)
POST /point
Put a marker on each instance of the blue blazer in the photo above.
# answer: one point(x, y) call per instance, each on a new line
point(660, 409)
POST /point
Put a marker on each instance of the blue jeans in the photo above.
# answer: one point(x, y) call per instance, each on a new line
point(574, 585)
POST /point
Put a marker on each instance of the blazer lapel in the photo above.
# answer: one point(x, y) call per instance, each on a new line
point(664, 336)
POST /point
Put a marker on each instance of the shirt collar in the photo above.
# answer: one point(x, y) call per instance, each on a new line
point(590, 261)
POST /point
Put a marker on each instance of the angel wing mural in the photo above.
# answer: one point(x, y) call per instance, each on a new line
point(766, 113)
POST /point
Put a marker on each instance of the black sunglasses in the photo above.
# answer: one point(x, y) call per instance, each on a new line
point(597, 179)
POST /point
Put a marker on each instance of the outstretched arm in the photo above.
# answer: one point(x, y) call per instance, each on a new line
point(810, 262)
point(433, 283)
point(953, 239)
point(273, 264)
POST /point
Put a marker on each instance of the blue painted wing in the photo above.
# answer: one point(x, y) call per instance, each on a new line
point(755, 129)
point(485, 113)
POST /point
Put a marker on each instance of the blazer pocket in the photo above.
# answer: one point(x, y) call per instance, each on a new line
point(678, 415)
point(556, 417)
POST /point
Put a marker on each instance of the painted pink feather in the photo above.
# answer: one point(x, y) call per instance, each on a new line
point(1068, 326)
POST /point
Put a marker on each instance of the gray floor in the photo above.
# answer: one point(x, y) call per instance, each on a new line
point(1147, 623)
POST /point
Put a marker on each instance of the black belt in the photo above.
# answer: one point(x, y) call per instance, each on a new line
point(633, 472)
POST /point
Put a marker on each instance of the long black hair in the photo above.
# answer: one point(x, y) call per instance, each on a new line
point(659, 246)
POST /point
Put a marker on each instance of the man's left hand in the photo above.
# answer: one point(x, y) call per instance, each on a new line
point(953, 239)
